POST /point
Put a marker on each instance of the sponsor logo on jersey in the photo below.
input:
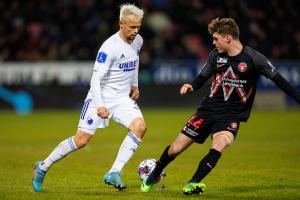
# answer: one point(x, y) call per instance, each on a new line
point(222, 60)
point(101, 58)
point(242, 67)
point(128, 66)
point(230, 82)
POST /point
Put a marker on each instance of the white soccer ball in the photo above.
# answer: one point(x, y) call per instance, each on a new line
point(146, 167)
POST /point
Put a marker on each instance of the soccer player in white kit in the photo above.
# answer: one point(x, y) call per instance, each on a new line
point(112, 95)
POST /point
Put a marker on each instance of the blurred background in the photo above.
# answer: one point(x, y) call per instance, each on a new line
point(48, 48)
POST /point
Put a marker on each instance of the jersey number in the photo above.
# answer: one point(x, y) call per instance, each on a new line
point(195, 123)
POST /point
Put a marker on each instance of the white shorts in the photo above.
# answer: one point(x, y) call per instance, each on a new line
point(121, 110)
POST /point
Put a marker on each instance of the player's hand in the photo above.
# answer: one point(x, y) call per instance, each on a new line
point(134, 93)
point(102, 112)
point(186, 88)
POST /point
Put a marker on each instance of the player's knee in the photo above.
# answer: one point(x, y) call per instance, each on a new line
point(138, 127)
point(220, 146)
point(222, 140)
point(142, 127)
point(81, 141)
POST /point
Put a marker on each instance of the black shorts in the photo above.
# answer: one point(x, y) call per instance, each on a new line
point(202, 124)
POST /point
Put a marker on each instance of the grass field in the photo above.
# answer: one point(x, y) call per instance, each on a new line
point(263, 162)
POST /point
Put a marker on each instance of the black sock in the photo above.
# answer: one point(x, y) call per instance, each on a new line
point(206, 165)
point(164, 160)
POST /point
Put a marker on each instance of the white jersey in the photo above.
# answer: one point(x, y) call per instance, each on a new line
point(115, 69)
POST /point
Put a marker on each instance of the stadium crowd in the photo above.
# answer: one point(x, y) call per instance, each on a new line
point(33, 30)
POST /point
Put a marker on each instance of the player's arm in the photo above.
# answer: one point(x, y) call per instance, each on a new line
point(201, 78)
point(134, 89)
point(197, 83)
point(134, 93)
point(284, 85)
point(96, 90)
point(268, 70)
point(101, 67)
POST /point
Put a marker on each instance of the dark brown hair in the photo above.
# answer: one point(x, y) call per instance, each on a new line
point(224, 26)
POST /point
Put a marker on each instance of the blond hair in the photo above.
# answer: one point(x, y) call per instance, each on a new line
point(224, 26)
point(128, 10)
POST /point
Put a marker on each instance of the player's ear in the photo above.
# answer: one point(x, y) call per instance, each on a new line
point(121, 24)
point(228, 38)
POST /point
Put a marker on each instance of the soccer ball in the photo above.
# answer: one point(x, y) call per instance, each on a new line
point(146, 167)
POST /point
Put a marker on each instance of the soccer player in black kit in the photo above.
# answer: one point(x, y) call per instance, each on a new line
point(234, 70)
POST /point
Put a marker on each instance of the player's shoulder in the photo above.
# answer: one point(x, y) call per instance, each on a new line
point(109, 45)
point(112, 40)
point(255, 55)
point(213, 54)
point(252, 52)
point(139, 40)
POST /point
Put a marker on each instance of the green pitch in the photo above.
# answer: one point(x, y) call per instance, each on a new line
point(263, 162)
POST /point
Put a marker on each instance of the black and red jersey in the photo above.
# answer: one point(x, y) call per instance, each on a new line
point(234, 80)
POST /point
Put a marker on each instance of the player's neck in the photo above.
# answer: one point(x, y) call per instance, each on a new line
point(125, 39)
point(235, 48)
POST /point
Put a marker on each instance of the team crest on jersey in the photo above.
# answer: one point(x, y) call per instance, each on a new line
point(242, 67)
point(101, 58)
point(232, 126)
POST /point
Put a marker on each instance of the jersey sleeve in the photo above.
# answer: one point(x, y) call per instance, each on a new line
point(105, 57)
point(264, 66)
point(135, 78)
point(205, 73)
point(102, 64)
point(206, 70)
point(96, 89)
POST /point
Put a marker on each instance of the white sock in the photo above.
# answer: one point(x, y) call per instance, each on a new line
point(64, 148)
point(127, 149)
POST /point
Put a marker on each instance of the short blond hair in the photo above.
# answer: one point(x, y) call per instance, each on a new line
point(127, 10)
